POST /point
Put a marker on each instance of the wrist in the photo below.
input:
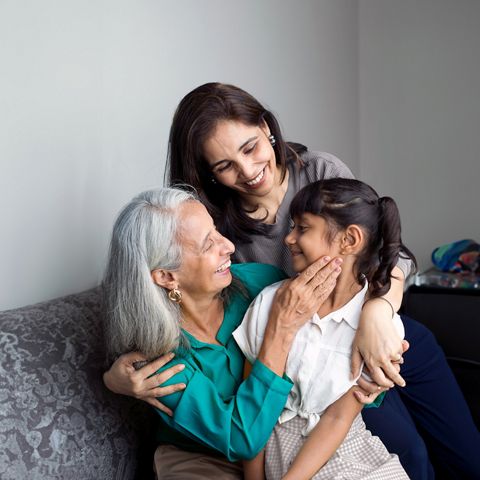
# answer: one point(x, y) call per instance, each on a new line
point(377, 302)
point(275, 349)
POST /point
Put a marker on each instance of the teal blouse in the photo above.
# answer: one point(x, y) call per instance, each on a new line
point(218, 409)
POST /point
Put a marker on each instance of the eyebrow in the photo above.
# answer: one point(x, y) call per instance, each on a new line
point(246, 142)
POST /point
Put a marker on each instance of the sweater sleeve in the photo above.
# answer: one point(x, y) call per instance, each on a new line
point(239, 427)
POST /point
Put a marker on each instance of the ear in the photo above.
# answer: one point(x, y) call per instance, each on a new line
point(352, 240)
point(164, 278)
point(265, 128)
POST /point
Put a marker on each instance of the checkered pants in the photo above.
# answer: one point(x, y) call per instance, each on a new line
point(361, 456)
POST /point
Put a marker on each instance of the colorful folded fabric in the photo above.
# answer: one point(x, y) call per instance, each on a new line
point(460, 256)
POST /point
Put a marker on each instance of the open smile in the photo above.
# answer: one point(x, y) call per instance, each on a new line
point(257, 180)
point(223, 268)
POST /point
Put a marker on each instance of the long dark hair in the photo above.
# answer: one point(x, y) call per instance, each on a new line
point(343, 202)
point(195, 119)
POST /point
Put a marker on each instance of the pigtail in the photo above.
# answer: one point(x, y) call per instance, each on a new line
point(391, 249)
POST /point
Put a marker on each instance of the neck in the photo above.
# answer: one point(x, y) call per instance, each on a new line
point(345, 289)
point(269, 204)
point(203, 317)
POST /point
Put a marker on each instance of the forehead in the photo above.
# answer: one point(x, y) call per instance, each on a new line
point(194, 223)
point(226, 137)
point(311, 219)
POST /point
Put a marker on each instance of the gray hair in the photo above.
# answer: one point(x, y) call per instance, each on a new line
point(139, 315)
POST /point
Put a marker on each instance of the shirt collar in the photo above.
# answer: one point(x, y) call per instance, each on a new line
point(350, 312)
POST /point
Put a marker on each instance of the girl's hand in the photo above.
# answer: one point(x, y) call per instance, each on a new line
point(365, 397)
point(369, 390)
point(299, 298)
point(143, 383)
point(378, 344)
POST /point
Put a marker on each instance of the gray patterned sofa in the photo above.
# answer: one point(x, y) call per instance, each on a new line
point(57, 420)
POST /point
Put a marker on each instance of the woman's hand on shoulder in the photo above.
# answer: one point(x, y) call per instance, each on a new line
point(299, 298)
point(143, 383)
point(379, 345)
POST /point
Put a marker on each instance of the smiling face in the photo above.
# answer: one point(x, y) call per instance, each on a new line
point(242, 158)
point(205, 268)
point(310, 239)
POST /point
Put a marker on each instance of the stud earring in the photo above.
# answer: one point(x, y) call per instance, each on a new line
point(213, 181)
point(272, 140)
point(175, 295)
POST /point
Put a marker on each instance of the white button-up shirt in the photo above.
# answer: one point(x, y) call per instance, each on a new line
point(319, 359)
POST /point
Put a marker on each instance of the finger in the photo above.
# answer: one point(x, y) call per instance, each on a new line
point(355, 364)
point(163, 391)
point(155, 365)
point(364, 398)
point(405, 345)
point(368, 387)
point(132, 357)
point(327, 275)
point(378, 376)
point(324, 289)
point(156, 404)
point(128, 360)
point(162, 377)
point(313, 269)
point(390, 371)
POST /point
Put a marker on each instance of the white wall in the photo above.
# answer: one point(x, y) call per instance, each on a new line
point(87, 91)
point(419, 94)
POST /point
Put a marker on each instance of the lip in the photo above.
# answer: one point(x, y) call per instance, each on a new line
point(295, 253)
point(224, 268)
point(261, 182)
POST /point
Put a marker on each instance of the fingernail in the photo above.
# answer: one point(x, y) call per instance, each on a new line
point(338, 261)
point(172, 355)
point(181, 366)
point(327, 259)
point(338, 269)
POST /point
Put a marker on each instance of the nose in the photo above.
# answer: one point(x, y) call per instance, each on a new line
point(290, 239)
point(247, 169)
point(227, 247)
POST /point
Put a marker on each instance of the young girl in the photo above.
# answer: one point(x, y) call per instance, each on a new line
point(320, 433)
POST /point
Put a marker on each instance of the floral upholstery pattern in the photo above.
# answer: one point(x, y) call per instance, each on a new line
point(57, 419)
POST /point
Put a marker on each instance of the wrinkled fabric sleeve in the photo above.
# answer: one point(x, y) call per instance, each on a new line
point(240, 427)
point(249, 335)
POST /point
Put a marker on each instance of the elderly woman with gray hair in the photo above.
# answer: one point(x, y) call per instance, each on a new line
point(170, 286)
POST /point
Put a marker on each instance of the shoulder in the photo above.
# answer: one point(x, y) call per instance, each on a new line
point(322, 165)
point(265, 297)
point(256, 276)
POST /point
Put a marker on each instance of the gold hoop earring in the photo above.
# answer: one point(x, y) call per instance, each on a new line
point(175, 295)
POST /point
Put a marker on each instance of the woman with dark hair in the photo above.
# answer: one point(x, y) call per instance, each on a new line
point(320, 433)
point(229, 147)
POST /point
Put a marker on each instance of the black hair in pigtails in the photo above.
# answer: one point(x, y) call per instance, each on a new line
point(391, 248)
point(343, 202)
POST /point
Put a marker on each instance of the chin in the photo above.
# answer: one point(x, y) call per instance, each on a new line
point(298, 265)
